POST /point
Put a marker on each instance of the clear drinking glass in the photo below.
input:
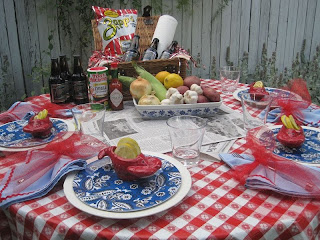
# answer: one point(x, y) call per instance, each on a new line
point(186, 133)
point(229, 78)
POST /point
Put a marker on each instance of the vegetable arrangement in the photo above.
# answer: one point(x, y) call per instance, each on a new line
point(167, 88)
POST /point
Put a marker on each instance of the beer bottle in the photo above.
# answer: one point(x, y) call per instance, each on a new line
point(56, 83)
point(79, 82)
point(151, 52)
point(171, 49)
point(115, 88)
point(133, 51)
point(66, 76)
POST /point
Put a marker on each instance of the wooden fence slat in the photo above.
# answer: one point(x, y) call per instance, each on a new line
point(273, 27)
point(215, 36)
point(254, 35)
point(205, 38)
point(179, 16)
point(309, 26)
point(235, 31)
point(196, 34)
point(316, 29)
point(290, 37)
point(225, 33)
point(263, 25)
point(301, 21)
point(244, 27)
point(282, 31)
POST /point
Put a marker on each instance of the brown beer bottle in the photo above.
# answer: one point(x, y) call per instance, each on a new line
point(56, 83)
point(151, 52)
point(79, 82)
point(66, 76)
point(115, 89)
point(133, 51)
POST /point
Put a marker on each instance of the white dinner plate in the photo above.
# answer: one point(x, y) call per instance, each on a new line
point(70, 128)
point(175, 199)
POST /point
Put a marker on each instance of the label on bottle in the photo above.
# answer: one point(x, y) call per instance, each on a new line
point(57, 93)
point(98, 84)
point(80, 90)
point(149, 55)
point(116, 97)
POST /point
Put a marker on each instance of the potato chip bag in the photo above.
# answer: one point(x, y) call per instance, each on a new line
point(116, 28)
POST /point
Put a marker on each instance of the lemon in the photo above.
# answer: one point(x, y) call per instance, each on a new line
point(42, 114)
point(293, 122)
point(132, 143)
point(258, 84)
point(125, 151)
point(173, 80)
point(162, 75)
point(284, 120)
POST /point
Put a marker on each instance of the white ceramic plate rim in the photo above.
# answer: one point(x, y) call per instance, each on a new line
point(71, 128)
point(175, 199)
point(304, 127)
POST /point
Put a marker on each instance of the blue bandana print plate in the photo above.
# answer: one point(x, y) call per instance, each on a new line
point(100, 188)
point(13, 136)
point(308, 153)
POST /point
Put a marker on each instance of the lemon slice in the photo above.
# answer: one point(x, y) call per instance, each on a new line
point(283, 120)
point(258, 84)
point(293, 122)
point(132, 143)
point(42, 114)
point(125, 151)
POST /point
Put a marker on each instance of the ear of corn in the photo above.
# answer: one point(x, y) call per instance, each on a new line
point(125, 80)
point(157, 86)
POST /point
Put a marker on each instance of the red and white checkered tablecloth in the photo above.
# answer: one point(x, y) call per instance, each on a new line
point(217, 207)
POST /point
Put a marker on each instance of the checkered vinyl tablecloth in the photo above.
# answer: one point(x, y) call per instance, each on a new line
point(217, 207)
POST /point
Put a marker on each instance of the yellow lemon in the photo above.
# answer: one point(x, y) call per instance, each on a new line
point(173, 80)
point(162, 75)
point(125, 151)
point(132, 143)
point(293, 122)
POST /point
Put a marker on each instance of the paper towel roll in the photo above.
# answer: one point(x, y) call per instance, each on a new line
point(165, 30)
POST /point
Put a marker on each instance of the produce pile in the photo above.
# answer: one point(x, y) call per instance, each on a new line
point(167, 88)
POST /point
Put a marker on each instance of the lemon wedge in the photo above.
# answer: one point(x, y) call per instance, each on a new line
point(42, 114)
point(258, 84)
point(125, 151)
point(130, 142)
point(293, 122)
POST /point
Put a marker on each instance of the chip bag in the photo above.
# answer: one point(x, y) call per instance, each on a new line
point(116, 28)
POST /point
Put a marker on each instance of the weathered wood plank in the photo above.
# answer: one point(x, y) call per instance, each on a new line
point(196, 34)
point(225, 34)
point(254, 35)
point(263, 25)
point(301, 21)
point(309, 26)
point(235, 32)
point(205, 38)
point(177, 13)
point(282, 32)
point(215, 37)
point(244, 27)
point(273, 27)
point(316, 29)
point(292, 22)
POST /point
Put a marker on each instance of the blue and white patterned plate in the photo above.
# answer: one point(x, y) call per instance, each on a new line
point(167, 111)
point(308, 153)
point(99, 187)
point(13, 136)
point(272, 91)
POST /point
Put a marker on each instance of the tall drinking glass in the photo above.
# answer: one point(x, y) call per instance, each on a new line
point(229, 78)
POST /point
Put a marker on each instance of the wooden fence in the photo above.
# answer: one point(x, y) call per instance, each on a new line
point(30, 35)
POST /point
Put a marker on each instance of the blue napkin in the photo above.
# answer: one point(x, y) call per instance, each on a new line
point(14, 187)
point(266, 178)
point(311, 116)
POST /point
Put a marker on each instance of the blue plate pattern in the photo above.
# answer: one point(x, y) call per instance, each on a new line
point(13, 136)
point(308, 153)
point(100, 188)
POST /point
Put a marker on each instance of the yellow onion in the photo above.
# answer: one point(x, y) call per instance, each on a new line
point(149, 99)
point(140, 87)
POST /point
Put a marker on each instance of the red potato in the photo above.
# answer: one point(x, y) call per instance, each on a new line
point(211, 94)
point(202, 99)
point(182, 89)
point(188, 81)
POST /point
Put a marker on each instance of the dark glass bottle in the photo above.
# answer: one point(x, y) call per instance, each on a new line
point(79, 82)
point(66, 76)
point(133, 51)
point(151, 52)
point(56, 83)
point(115, 89)
point(171, 49)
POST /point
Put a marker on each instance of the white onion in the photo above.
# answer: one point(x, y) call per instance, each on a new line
point(149, 100)
point(140, 87)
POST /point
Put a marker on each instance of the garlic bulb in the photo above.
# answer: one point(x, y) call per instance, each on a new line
point(140, 87)
point(149, 100)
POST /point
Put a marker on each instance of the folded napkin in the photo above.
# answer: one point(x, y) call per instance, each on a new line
point(264, 177)
point(41, 169)
point(309, 116)
point(19, 109)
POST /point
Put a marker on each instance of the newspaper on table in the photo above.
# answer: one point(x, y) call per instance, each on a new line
point(153, 135)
